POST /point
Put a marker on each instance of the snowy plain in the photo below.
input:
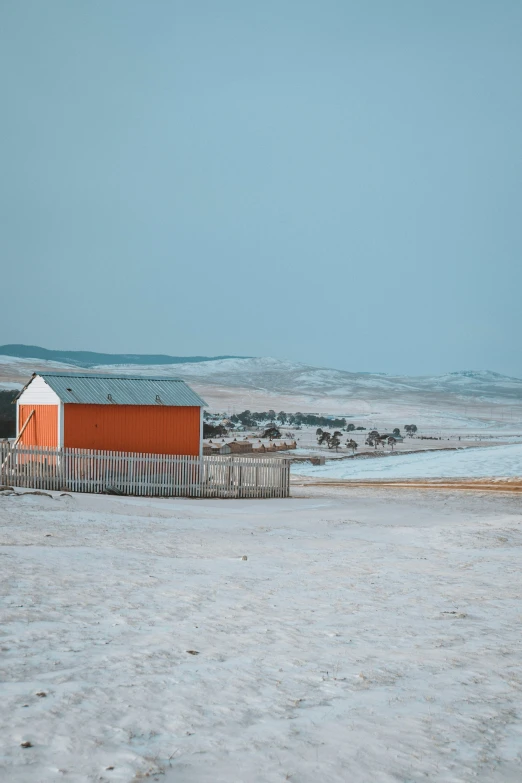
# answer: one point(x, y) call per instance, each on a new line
point(472, 462)
point(369, 635)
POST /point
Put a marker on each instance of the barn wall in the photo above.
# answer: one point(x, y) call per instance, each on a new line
point(141, 428)
point(42, 430)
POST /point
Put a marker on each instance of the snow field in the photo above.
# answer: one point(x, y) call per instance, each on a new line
point(367, 637)
point(474, 462)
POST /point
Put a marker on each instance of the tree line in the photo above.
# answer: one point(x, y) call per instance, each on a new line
point(252, 419)
point(7, 414)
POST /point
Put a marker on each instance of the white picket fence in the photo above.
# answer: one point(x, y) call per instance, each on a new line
point(159, 475)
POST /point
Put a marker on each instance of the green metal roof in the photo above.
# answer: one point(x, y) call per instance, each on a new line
point(91, 389)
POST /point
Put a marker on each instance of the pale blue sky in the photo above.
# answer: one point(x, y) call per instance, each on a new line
point(337, 183)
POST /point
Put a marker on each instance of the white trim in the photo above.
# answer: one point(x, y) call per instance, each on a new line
point(60, 424)
point(201, 432)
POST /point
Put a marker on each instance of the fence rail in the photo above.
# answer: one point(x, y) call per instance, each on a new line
point(157, 475)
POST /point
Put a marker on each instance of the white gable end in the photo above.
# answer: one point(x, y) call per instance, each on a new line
point(38, 393)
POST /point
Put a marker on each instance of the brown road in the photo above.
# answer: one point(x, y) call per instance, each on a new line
point(477, 485)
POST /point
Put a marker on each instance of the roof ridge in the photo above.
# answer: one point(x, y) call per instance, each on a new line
point(108, 376)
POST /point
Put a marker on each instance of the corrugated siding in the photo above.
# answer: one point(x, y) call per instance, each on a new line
point(42, 430)
point(137, 428)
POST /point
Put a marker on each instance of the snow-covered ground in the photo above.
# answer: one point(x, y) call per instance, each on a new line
point(369, 637)
point(465, 463)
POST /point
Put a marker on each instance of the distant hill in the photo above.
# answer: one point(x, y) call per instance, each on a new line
point(92, 359)
point(319, 388)
point(276, 376)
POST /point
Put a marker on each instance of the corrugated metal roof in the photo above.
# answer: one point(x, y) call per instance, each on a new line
point(121, 390)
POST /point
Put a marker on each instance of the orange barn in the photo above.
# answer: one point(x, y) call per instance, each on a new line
point(110, 413)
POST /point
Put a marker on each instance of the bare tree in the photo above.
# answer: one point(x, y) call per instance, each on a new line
point(351, 444)
point(324, 438)
point(335, 441)
point(373, 439)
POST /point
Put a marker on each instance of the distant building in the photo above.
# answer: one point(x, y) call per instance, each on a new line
point(215, 449)
point(398, 438)
point(240, 446)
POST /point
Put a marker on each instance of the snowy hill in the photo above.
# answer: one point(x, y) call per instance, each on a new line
point(278, 377)
point(285, 377)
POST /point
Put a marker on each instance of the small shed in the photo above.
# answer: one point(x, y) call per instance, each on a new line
point(240, 446)
point(215, 449)
point(110, 413)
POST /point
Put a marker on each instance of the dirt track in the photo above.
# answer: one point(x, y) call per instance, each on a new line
point(477, 485)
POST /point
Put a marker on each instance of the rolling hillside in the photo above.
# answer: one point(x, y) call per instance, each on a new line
point(253, 382)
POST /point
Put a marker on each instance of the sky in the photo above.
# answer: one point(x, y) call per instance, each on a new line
point(332, 182)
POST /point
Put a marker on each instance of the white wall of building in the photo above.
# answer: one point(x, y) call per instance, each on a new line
point(38, 393)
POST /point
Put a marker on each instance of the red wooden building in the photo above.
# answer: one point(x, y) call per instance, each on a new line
point(110, 413)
